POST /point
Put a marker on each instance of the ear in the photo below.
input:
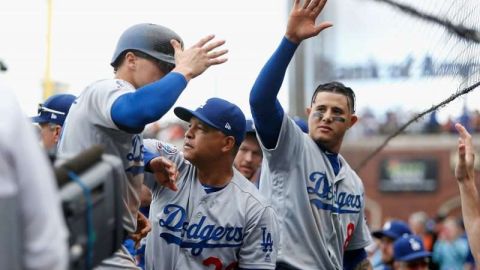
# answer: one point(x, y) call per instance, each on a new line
point(353, 120)
point(308, 110)
point(130, 60)
point(56, 133)
point(229, 144)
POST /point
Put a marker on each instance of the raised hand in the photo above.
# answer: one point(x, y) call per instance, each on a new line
point(196, 59)
point(301, 22)
point(464, 170)
point(165, 172)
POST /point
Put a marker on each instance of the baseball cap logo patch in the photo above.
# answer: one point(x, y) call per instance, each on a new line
point(414, 244)
point(227, 126)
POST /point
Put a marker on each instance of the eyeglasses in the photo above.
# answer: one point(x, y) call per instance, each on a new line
point(42, 108)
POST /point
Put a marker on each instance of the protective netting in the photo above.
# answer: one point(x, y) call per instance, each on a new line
point(450, 33)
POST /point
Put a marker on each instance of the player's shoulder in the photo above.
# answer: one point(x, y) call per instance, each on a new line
point(248, 190)
point(106, 85)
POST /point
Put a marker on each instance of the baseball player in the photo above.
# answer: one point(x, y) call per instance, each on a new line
point(151, 71)
point(319, 199)
point(50, 118)
point(391, 231)
point(217, 219)
point(249, 157)
point(410, 254)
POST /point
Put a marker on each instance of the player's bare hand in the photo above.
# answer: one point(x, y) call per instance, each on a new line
point(143, 228)
point(165, 172)
point(301, 22)
point(464, 171)
point(195, 60)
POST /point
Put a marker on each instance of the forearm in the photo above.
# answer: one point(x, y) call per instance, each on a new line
point(471, 215)
point(266, 109)
point(131, 112)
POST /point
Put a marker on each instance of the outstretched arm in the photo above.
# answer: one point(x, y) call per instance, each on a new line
point(266, 109)
point(132, 111)
point(465, 175)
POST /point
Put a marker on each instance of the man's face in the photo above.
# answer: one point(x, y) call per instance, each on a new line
point(50, 134)
point(386, 246)
point(249, 157)
point(329, 117)
point(203, 143)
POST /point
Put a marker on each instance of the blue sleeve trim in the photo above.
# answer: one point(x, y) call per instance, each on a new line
point(266, 109)
point(351, 258)
point(147, 157)
point(132, 111)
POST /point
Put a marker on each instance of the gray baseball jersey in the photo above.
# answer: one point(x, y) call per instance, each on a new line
point(89, 122)
point(320, 215)
point(220, 230)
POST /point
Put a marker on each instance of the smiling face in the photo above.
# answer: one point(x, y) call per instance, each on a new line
point(329, 118)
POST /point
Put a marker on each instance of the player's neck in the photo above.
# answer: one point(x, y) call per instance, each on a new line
point(216, 176)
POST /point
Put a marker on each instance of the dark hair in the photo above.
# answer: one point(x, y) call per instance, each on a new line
point(339, 88)
point(163, 66)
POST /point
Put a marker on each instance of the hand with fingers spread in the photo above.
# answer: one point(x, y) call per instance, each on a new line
point(165, 172)
point(464, 170)
point(196, 59)
point(301, 22)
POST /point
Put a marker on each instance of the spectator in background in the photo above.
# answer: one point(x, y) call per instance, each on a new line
point(249, 156)
point(391, 123)
point(409, 254)
point(392, 230)
point(50, 118)
point(418, 224)
point(432, 125)
point(476, 121)
point(451, 250)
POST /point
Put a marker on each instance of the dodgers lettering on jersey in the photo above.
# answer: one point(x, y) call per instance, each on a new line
point(324, 210)
point(192, 229)
point(323, 193)
point(197, 236)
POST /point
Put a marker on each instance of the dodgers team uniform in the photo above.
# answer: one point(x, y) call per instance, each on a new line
point(320, 215)
point(192, 229)
point(89, 122)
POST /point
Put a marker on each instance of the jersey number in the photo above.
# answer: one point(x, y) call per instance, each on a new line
point(218, 264)
point(350, 229)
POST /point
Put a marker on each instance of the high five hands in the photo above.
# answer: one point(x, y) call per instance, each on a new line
point(301, 22)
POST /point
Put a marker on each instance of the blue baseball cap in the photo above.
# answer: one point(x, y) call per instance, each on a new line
point(219, 114)
point(54, 109)
point(250, 127)
point(393, 229)
point(409, 248)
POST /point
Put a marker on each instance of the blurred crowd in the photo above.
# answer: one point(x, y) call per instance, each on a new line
point(373, 124)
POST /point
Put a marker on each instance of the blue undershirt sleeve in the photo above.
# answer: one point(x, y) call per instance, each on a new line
point(147, 157)
point(266, 109)
point(351, 258)
point(132, 111)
